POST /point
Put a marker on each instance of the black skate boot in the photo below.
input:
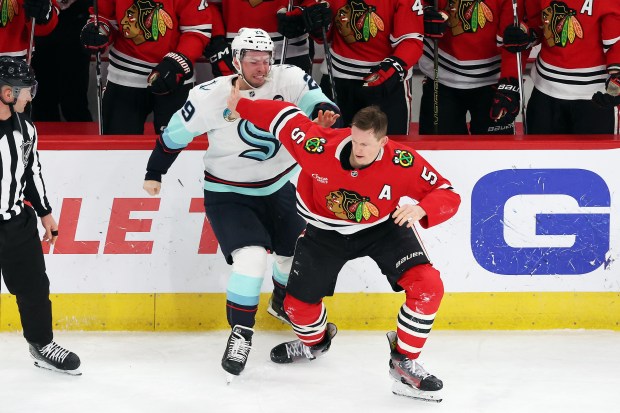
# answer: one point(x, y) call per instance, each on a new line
point(55, 358)
point(237, 350)
point(296, 350)
point(411, 380)
point(276, 307)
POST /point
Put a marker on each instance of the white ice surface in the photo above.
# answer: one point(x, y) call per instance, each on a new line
point(488, 371)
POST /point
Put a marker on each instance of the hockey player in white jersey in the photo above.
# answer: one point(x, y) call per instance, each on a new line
point(248, 197)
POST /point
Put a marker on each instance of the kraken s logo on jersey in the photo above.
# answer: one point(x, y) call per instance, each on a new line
point(315, 145)
point(8, 10)
point(356, 21)
point(560, 26)
point(467, 16)
point(145, 21)
point(403, 158)
point(26, 147)
point(228, 115)
point(267, 146)
point(350, 205)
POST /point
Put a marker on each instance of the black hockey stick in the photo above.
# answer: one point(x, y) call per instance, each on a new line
point(436, 82)
point(98, 72)
point(285, 40)
point(519, 72)
point(330, 68)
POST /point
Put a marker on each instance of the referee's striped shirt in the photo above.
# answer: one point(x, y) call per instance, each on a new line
point(20, 169)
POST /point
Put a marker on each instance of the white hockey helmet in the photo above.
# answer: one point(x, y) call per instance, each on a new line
point(251, 39)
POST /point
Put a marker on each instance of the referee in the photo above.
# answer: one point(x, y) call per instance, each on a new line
point(21, 254)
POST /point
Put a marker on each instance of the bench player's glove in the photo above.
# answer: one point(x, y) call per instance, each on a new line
point(506, 102)
point(291, 24)
point(435, 23)
point(170, 73)
point(96, 39)
point(385, 78)
point(39, 10)
point(519, 38)
point(612, 97)
point(219, 54)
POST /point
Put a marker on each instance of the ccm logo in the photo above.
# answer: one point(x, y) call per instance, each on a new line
point(540, 221)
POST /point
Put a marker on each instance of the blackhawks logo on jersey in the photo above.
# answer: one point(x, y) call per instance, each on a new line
point(145, 21)
point(315, 145)
point(351, 205)
point(560, 26)
point(467, 16)
point(357, 21)
point(255, 3)
point(8, 10)
point(403, 158)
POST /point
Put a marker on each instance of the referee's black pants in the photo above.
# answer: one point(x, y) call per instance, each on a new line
point(23, 270)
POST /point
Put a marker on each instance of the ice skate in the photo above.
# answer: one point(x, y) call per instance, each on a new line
point(295, 350)
point(237, 351)
point(276, 308)
point(54, 357)
point(411, 380)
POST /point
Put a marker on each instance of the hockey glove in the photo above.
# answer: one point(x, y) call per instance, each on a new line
point(291, 24)
point(40, 10)
point(385, 78)
point(519, 38)
point(94, 38)
point(317, 17)
point(506, 102)
point(170, 73)
point(435, 23)
point(219, 54)
point(612, 97)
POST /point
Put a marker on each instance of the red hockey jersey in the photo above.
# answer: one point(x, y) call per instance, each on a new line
point(15, 28)
point(365, 32)
point(333, 198)
point(146, 30)
point(580, 43)
point(260, 14)
point(470, 52)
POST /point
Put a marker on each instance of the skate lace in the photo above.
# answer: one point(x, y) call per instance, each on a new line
point(414, 368)
point(298, 349)
point(238, 348)
point(54, 352)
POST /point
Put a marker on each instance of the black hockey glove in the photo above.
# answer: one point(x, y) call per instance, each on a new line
point(506, 102)
point(40, 10)
point(612, 97)
point(519, 38)
point(385, 78)
point(317, 17)
point(170, 73)
point(94, 38)
point(291, 24)
point(219, 54)
point(435, 23)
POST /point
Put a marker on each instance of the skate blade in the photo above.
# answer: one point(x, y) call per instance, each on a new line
point(46, 366)
point(402, 389)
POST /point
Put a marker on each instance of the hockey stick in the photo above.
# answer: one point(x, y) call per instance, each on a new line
point(31, 44)
point(519, 73)
point(98, 72)
point(330, 68)
point(436, 82)
point(285, 40)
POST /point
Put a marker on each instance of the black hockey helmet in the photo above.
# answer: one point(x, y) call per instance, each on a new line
point(16, 73)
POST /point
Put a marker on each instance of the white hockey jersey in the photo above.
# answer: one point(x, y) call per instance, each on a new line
point(242, 158)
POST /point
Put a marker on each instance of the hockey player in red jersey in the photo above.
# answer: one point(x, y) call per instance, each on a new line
point(475, 74)
point(349, 190)
point(264, 15)
point(374, 46)
point(577, 67)
point(154, 46)
point(16, 24)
